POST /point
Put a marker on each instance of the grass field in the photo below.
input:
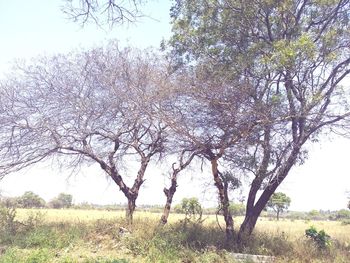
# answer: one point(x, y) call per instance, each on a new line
point(295, 228)
point(47, 235)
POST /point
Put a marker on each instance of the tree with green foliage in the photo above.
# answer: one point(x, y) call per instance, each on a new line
point(292, 56)
point(192, 208)
point(61, 201)
point(343, 214)
point(278, 202)
point(237, 209)
point(30, 200)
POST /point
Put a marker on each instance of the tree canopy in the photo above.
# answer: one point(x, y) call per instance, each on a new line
point(61, 201)
point(91, 107)
point(30, 200)
point(279, 202)
point(293, 56)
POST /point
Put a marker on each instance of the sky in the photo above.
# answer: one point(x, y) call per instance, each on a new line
point(39, 27)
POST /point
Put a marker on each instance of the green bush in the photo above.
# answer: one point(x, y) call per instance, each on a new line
point(321, 239)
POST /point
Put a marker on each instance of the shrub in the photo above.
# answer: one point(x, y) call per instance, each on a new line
point(8, 224)
point(345, 222)
point(321, 239)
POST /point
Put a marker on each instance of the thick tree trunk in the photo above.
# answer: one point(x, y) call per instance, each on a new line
point(169, 193)
point(247, 226)
point(130, 209)
point(278, 215)
point(223, 198)
point(254, 210)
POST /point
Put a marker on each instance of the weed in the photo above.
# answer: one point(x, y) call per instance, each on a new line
point(39, 256)
point(10, 256)
point(8, 224)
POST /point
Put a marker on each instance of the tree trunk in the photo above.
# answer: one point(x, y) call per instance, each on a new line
point(130, 209)
point(251, 217)
point(169, 193)
point(247, 226)
point(254, 210)
point(278, 215)
point(223, 198)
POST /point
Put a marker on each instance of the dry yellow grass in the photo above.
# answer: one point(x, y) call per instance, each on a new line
point(296, 228)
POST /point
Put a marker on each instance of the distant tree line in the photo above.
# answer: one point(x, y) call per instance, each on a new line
point(32, 200)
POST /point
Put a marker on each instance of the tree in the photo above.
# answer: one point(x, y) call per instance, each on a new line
point(293, 57)
point(349, 204)
point(61, 201)
point(209, 115)
point(91, 107)
point(237, 209)
point(191, 208)
point(103, 11)
point(314, 214)
point(343, 214)
point(30, 200)
point(279, 202)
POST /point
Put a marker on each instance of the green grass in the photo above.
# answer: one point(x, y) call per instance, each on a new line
point(93, 236)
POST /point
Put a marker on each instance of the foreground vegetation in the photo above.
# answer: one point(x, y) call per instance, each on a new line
point(104, 236)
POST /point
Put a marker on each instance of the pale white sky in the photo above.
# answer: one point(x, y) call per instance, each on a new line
point(36, 27)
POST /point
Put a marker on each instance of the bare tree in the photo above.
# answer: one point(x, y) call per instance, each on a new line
point(90, 107)
point(102, 12)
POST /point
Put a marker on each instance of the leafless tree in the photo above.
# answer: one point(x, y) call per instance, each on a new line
point(93, 107)
point(102, 12)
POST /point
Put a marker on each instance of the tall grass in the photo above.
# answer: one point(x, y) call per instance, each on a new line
point(101, 236)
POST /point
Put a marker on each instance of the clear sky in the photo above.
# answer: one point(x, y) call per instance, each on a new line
point(37, 27)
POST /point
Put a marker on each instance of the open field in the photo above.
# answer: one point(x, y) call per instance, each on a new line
point(295, 228)
point(95, 236)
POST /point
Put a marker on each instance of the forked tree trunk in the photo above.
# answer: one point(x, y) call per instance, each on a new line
point(223, 198)
point(130, 193)
point(254, 210)
point(169, 193)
